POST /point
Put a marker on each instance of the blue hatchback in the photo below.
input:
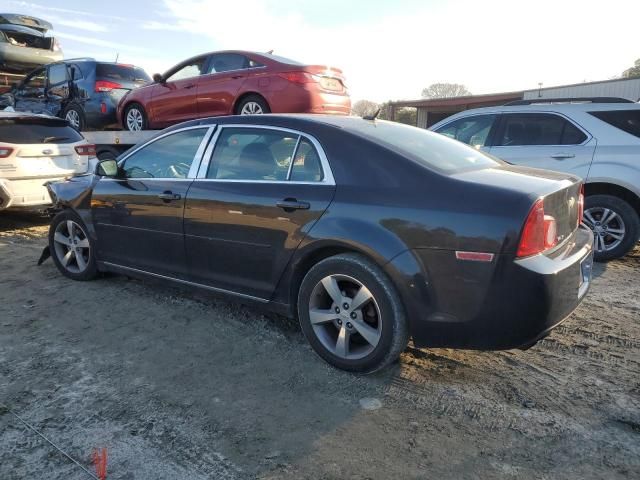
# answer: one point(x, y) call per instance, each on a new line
point(83, 91)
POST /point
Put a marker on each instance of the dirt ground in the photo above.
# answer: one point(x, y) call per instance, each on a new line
point(181, 385)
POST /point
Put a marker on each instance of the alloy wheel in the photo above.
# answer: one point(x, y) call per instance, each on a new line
point(345, 317)
point(134, 120)
point(72, 246)
point(607, 226)
point(251, 108)
point(73, 118)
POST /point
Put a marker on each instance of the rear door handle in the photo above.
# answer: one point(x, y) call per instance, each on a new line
point(187, 87)
point(562, 156)
point(169, 196)
point(291, 204)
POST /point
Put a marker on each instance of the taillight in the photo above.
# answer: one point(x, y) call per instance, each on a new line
point(86, 150)
point(539, 232)
point(581, 204)
point(106, 86)
point(56, 45)
point(5, 151)
point(299, 77)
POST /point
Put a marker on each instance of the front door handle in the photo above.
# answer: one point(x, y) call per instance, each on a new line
point(168, 196)
point(291, 204)
point(562, 156)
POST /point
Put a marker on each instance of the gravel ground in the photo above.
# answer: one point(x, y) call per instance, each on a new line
point(178, 384)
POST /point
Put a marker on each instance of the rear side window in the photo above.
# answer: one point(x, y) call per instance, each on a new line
point(538, 129)
point(124, 73)
point(226, 62)
point(252, 154)
point(34, 130)
point(626, 120)
point(306, 165)
point(472, 130)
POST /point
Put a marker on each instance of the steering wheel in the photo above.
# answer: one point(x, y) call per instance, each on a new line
point(179, 170)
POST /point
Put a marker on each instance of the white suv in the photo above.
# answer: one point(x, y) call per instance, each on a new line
point(35, 149)
point(596, 139)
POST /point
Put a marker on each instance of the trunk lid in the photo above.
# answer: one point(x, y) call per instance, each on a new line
point(26, 21)
point(44, 161)
point(330, 79)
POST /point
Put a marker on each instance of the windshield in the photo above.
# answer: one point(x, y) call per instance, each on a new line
point(427, 148)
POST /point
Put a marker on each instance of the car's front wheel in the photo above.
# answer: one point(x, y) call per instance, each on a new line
point(135, 118)
point(71, 247)
point(351, 314)
point(615, 226)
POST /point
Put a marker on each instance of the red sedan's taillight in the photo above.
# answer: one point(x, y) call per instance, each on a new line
point(299, 77)
point(539, 232)
point(86, 150)
point(581, 204)
point(106, 86)
point(5, 151)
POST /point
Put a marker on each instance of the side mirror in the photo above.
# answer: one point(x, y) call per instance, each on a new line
point(158, 78)
point(107, 168)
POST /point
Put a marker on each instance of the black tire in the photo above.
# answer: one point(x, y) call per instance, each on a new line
point(90, 271)
point(74, 114)
point(253, 99)
point(629, 218)
point(394, 329)
point(143, 117)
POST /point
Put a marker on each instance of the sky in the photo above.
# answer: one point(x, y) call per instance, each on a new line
point(388, 49)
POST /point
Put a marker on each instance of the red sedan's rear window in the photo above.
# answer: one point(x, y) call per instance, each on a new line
point(430, 149)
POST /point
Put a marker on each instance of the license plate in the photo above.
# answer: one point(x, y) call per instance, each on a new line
point(330, 84)
point(586, 268)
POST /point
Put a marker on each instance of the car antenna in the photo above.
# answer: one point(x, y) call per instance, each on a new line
point(270, 52)
point(373, 116)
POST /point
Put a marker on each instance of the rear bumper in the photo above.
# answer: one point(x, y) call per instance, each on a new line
point(300, 99)
point(24, 193)
point(503, 304)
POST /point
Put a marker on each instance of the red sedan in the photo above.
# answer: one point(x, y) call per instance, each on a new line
point(234, 82)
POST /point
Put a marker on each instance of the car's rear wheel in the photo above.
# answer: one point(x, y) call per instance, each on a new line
point(615, 226)
point(351, 314)
point(135, 118)
point(252, 105)
point(75, 116)
point(71, 247)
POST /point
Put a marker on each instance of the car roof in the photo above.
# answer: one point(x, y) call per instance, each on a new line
point(553, 107)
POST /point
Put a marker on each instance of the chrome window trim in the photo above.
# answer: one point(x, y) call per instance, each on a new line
point(293, 158)
point(234, 70)
point(197, 158)
point(328, 178)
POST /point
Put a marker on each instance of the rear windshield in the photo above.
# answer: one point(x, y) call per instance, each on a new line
point(626, 120)
point(427, 148)
point(121, 72)
point(36, 130)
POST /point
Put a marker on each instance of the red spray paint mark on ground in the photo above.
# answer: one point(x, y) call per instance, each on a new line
point(100, 462)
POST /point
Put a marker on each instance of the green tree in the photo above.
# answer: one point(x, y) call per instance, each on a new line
point(633, 71)
point(445, 90)
point(364, 107)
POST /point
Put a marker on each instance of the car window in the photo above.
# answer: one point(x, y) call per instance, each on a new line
point(538, 129)
point(36, 80)
point(31, 129)
point(306, 165)
point(117, 72)
point(626, 120)
point(188, 71)
point(225, 62)
point(252, 154)
point(472, 130)
point(167, 157)
point(57, 74)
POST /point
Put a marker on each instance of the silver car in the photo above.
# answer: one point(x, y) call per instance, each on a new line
point(596, 139)
point(25, 44)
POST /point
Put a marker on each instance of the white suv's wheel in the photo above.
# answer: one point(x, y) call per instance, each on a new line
point(614, 223)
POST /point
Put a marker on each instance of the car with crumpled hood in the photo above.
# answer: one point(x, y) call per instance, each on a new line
point(25, 43)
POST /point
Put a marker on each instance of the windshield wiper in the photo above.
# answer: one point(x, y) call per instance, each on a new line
point(53, 139)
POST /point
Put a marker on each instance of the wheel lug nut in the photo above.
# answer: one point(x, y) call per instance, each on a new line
point(345, 306)
point(339, 322)
point(349, 325)
point(353, 315)
point(337, 309)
